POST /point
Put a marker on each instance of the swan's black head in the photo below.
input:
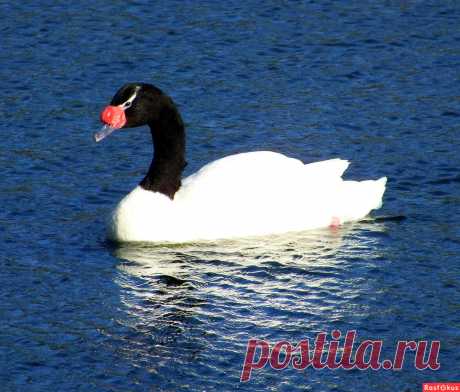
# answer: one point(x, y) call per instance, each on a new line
point(137, 104)
point(146, 104)
point(134, 105)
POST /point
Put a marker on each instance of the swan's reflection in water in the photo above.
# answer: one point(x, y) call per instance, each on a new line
point(182, 301)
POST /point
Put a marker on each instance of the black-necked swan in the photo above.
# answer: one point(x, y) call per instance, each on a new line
point(247, 194)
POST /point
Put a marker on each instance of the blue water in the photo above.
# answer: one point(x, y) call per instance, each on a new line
point(375, 82)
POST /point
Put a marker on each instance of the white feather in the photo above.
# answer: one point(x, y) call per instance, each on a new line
point(255, 193)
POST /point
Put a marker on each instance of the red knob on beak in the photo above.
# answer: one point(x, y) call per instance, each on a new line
point(113, 116)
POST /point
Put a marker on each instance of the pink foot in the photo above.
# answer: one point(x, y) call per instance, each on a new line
point(335, 222)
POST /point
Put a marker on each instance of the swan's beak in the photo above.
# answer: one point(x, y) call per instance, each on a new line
point(105, 131)
point(113, 118)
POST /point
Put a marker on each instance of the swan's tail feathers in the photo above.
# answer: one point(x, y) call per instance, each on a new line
point(380, 186)
point(360, 198)
point(371, 193)
point(328, 169)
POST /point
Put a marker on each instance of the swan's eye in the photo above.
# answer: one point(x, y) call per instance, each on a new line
point(127, 104)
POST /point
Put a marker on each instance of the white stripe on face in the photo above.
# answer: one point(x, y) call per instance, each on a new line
point(125, 105)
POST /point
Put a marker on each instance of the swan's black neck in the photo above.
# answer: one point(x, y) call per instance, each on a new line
point(168, 135)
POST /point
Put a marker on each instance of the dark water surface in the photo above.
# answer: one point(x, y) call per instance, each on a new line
point(375, 82)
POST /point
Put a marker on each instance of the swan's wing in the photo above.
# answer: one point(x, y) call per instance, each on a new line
point(327, 169)
point(240, 170)
point(265, 192)
point(260, 166)
point(259, 178)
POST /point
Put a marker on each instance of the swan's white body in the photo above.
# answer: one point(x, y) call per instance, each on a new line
point(255, 193)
